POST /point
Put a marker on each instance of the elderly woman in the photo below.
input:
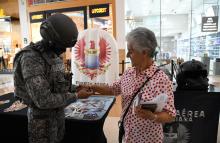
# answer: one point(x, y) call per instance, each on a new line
point(141, 125)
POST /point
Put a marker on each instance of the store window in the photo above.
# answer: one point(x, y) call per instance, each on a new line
point(5, 42)
point(78, 15)
point(5, 24)
point(185, 29)
point(90, 16)
point(5, 36)
point(78, 18)
point(101, 17)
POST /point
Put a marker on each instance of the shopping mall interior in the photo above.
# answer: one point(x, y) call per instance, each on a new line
point(182, 32)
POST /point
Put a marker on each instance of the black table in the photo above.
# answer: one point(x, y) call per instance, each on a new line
point(80, 130)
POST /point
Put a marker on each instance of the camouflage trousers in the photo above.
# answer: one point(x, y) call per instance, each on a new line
point(45, 126)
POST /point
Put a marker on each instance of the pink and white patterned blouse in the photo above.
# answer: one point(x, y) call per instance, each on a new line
point(139, 130)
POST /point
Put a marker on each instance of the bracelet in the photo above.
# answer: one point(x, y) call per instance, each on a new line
point(155, 117)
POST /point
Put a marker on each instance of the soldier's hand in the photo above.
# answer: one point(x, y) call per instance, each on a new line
point(84, 93)
point(87, 87)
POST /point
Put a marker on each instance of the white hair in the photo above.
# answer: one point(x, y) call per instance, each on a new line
point(142, 39)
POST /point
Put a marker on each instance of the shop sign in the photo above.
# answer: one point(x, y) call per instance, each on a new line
point(98, 10)
point(37, 17)
point(2, 13)
point(210, 24)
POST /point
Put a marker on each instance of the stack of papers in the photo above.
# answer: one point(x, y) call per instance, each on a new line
point(160, 100)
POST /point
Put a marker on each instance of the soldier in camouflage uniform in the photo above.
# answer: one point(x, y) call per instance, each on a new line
point(39, 80)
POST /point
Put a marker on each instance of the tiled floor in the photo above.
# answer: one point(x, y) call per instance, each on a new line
point(110, 126)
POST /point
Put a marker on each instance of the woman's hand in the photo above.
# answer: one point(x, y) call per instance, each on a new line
point(145, 114)
point(87, 87)
point(98, 89)
point(84, 93)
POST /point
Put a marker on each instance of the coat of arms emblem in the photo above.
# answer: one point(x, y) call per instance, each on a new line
point(92, 56)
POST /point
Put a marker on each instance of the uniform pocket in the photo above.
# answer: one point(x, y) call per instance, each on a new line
point(38, 130)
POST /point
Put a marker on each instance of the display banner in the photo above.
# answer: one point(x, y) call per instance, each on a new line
point(95, 58)
point(197, 118)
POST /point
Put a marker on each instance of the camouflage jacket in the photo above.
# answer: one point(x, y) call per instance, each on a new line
point(39, 78)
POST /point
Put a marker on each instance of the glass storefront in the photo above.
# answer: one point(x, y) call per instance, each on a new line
point(178, 26)
point(5, 42)
point(80, 15)
point(104, 22)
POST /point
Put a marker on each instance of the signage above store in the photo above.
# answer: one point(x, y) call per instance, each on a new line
point(37, 17)
point(2, 13)
point(210, 24)
point(98, 10)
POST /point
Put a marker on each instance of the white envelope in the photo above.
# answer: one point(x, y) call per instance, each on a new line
point(160, 100)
